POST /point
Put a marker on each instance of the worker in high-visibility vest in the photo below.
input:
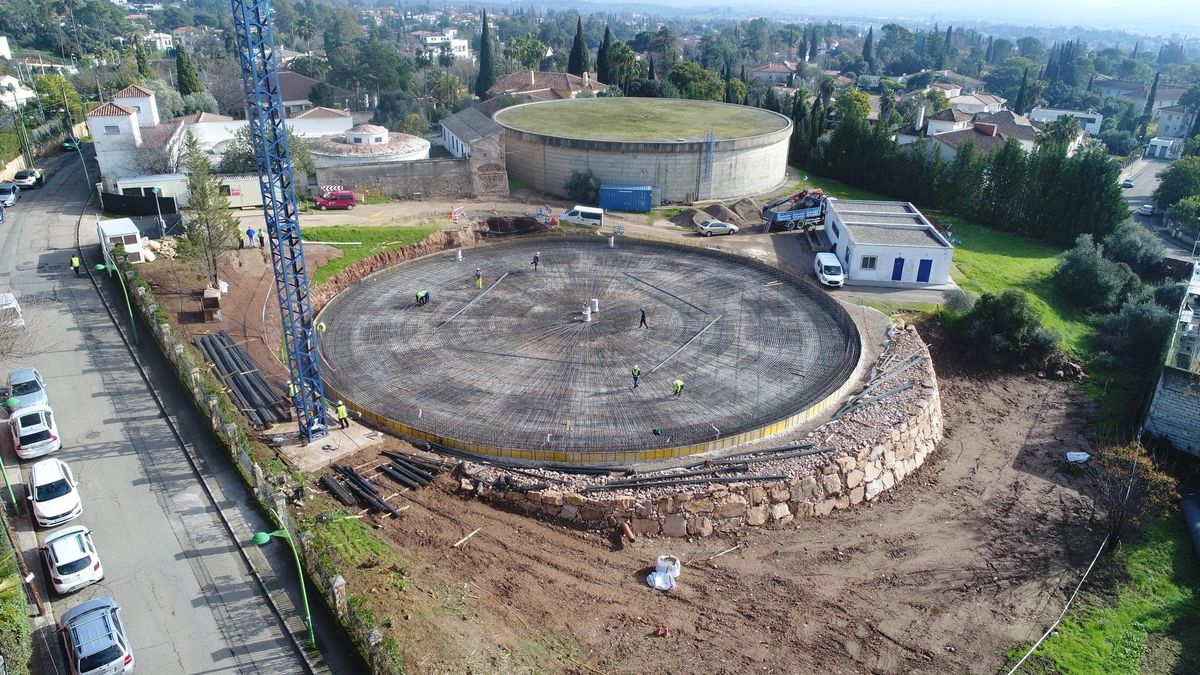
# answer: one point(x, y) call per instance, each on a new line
point(343, 415)
point(75, 264)
point(678, 387)
point(637, 373)
point(321, 328)
point(292, 390)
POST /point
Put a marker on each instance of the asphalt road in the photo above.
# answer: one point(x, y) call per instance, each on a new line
point(188, 598)
point(1144, 173)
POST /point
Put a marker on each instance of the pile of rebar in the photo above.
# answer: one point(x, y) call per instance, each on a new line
point(410, 471)
point(364, 492)
point(263, 405)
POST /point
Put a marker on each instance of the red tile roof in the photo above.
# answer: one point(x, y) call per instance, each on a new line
point(135, 91)
point(111, 109)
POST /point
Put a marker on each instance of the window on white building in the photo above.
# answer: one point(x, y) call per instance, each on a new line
point(379, 139)
point(112, 130)
point(868, 262)
point(357, 140)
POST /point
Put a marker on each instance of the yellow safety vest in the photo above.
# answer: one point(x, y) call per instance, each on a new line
point(292, 389)
point(637, 371)
point(341, 412)
point(74, 261)
point(678, 385)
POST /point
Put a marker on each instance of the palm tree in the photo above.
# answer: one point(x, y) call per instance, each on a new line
point(623, 64)
point(305, 29)
point(1061, 131)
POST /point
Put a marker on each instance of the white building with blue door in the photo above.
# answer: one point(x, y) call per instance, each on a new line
point(887, 244)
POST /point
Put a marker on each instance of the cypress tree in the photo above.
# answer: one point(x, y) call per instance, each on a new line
point(744, 75)
point(487, 66)
point(1150, 99)
point(987, 54)
point(602, 67)
point(1019, 104)
point(143, 63)
point(802, 52)
point(812, 45)
point(946, 44)
point(187, 80)
point(650, 72)
point(816, 125)
point(868, 53)
point(799, 149)
point(577, 62)
point(1137, 46)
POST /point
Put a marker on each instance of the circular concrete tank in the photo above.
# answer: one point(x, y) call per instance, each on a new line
point(659, 142)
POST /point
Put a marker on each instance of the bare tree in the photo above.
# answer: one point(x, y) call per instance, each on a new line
point(153, 160)
point(1128, 487)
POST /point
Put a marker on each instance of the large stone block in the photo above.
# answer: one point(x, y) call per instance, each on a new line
point(780, 513)
point(569, 512)
point(832, 484)
point(666, 505)
point(701, 527)
point(856, 495)
point(756, 495)
point(804, 488)
point(824, 507)
point(757, 515)
point(575, 499)
point(675, 525)
point(871, 471)
point(874, 488)
point(624, 503)
point(730, 507)
point(780, 494)
point(552, 497)
point(591, 513)
point(889, 480)
point(699, 506)
point(854, 479)
point(803, 509)
point(846, 464)
point(645, 526)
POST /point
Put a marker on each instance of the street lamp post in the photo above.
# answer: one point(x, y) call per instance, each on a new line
point(161, 224)
point(261, 538)
point(129, 306)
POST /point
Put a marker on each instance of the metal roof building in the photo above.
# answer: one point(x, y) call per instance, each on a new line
point(887, 243)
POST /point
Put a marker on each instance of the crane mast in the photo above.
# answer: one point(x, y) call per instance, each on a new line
point(268, 132)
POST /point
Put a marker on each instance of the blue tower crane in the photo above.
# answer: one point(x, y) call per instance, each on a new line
point(268, 131)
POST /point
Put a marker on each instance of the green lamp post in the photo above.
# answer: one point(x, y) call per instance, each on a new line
point(121, 277)
point(261, 538)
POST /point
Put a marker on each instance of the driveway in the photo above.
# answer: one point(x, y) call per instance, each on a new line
point(1144, 173)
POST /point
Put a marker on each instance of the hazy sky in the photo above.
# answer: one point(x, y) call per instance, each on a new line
point(1154, 17)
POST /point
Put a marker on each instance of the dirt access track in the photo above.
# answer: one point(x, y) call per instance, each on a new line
point(965, 559)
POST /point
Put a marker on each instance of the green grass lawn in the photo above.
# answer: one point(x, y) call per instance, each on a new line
point(834, 188)
point(640, 119)
point(372, 240)
point(1148, 622)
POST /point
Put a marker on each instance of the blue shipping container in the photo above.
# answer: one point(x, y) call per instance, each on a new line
point(639, 198)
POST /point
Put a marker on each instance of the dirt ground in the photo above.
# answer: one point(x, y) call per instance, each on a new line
point(967, 558)
point(250, 312)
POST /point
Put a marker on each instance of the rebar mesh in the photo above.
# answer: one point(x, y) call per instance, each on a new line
point(520, 369)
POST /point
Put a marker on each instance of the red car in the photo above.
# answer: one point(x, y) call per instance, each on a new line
point(338, 199)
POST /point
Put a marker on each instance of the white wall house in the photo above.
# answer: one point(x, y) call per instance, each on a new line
point(141, 100)
point(12, 93)
point(161, 41)
point(1089, 120)
point(464, 128)
point(5, 52)
point(887, 243)
point(459, 48)
point(977, 103)
point(1174, 121)
point(116, 137)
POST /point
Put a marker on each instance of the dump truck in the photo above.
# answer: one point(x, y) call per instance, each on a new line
point(804, 208)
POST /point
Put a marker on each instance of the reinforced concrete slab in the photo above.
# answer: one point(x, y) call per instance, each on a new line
point(513, 369)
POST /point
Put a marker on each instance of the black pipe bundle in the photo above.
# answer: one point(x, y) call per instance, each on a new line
point(251, 392)
point(364, 490)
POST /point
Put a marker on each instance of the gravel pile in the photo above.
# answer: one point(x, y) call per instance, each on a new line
point(749, 210)
point(722, 213)
point(689, 218)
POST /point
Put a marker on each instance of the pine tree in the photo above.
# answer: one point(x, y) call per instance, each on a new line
point(210, 229)
point(143, 63)
point(187, 80)
point(577, 62)
point(1020, 103)
point(1150, 99)
point(603, 68)
point(868, 52)
point(487, 65)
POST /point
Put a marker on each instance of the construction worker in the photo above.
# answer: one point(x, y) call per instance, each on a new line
point(292, 389)
point(75, 264)
point(678, 387)
point(422, 297)
point(643, 324)
point(637, 373)
point(321, 328)
point(536, 256)
point(262, 240)
point(343, 415)
point(249, 237)
point(479, 277)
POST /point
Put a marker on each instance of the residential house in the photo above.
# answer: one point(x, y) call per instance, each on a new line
point(5, 52)
point(186, 36)
point(989, 132)
point(460, 48)
point(947, 120)
point(296, 90)
point(887, 244)
point(1175, 121)
point(968, 84)
point(161, 41)
point(1120, 88)
point(1163, 148)
point(541, 85)
point(775, 73)
point(1089, 120)
point(467, 127)
point(142, 101)
point(973, 104)
point(13, 94)
point(949, 89)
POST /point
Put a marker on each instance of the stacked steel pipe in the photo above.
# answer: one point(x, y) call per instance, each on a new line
point(365, 493)
point(262, 404)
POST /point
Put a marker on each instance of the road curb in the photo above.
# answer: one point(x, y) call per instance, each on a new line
point(260, 576)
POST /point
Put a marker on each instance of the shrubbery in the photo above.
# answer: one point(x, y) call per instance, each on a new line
point(1138, 329)
point(1000, 330)
point(584, 187)
point(1088, 278)
point(1135, 246)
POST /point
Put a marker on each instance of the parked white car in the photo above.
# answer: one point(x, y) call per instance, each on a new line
point(71, 559)
point(34, 432)
point(9, 194)
point(53, 493)
point(1146, 210)
point(829, 270)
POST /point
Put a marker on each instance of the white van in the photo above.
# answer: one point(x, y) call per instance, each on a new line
point(583, 215)
point(828, 269)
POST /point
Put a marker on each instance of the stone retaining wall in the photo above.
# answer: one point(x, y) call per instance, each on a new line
point(874, 464)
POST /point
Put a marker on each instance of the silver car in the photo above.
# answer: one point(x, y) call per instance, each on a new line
point(25, 385)
point(710, 227)
point(94, 639)
point(9, 194)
